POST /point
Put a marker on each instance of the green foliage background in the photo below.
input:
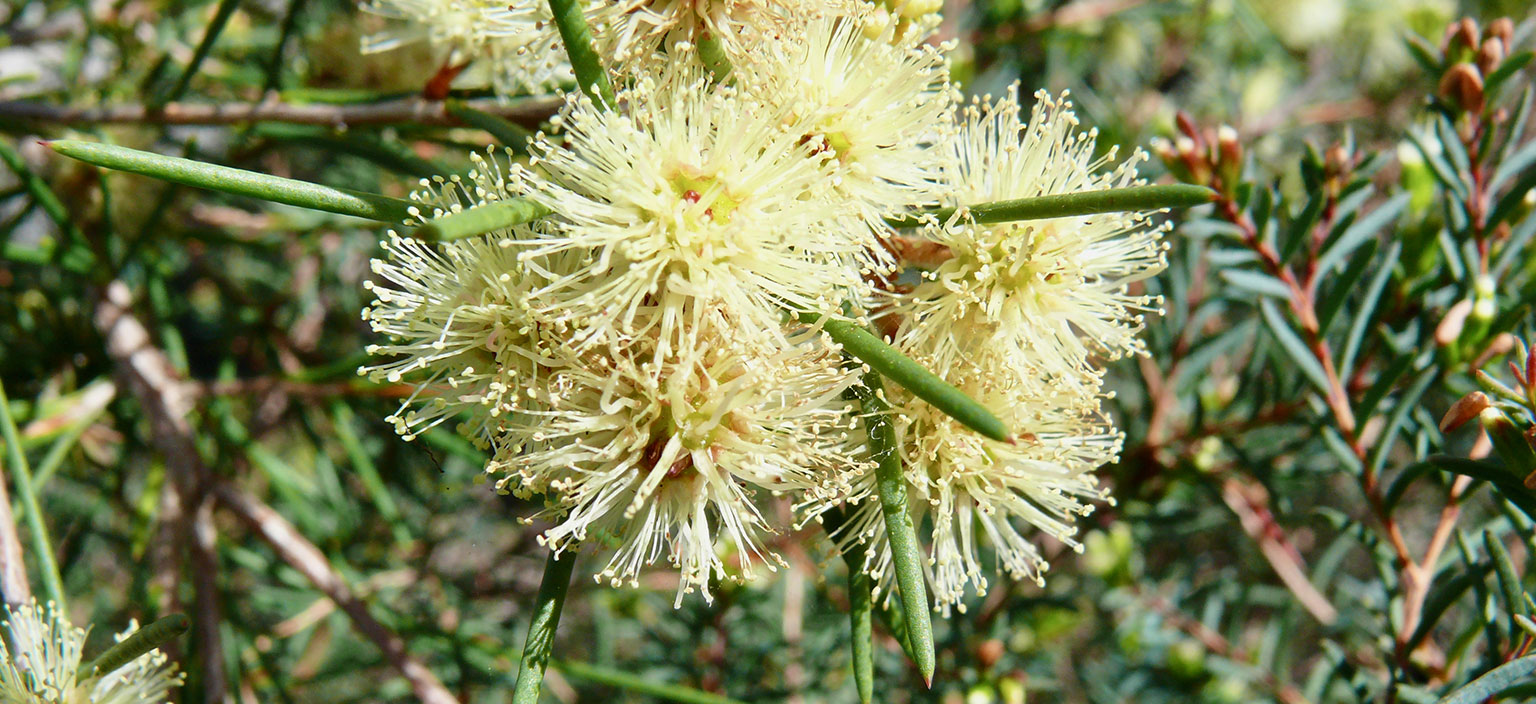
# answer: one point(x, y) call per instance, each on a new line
point(1236, 464)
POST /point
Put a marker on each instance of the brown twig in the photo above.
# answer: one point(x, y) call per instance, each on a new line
point(413, 110)
point(303, 556)
point(13, 572)
point(186, 518)
point(1251, 504)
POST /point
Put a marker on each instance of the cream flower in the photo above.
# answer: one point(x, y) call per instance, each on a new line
point(40, 664)
point(637, 29)
point(456, 316)
point(874, 108)
point(690, 192)
point(1048, 293)
point(979, 492)
point(660, 456)
point(512, 46)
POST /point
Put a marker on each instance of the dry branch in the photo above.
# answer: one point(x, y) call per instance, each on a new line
point(412, 110)
point(303, 556)
point(185, 519)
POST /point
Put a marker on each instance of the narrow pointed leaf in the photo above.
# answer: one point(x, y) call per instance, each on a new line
point(906, 554)
point(505, 131)
point(21, 477)
point(370, 206)
point(585, 63)
point(1339, 290)
point(541, 629)
point(912, 376)
point(1497, 680)
point(1365, 314)
point(860, 608)
point(481, 219)
point(639, 685)
point(42, 195)
point(215, 27)
point(1256, 282)
point(1509, 580)
point(138, 643)
point(1109, 200)
point(1293, 346)
point(1363, 229)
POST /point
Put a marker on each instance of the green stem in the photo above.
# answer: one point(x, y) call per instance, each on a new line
point(215, 28)
point(585, 63)
point(481, 219)
point(370, 206)
point(924, 384)
point(53, 586)
point(906, 554)
point(43, 196)
point(541, 629)
point(626, 681)
point(505, 131)
point(1109, 200)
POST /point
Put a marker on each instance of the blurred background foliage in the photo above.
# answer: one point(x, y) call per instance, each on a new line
point(1291, 522)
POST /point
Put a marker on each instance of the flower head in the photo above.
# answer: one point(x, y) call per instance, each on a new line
point(40, 663)
point(980, 492)
point(512, 46)
point(456, 316)
point(661, 455)
point(692, 192)
point(1051, 293)
point(636, 29)
point(873, 107)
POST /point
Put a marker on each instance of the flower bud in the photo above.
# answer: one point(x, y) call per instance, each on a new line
point(1453, 323)
point(1461, 36)
point(1490, 55)
point(1463, 85)
point(1511, 443)
point(1465, 409)
point(1502, 29)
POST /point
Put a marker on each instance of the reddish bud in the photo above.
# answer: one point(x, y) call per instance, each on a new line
point(1463, 85)
point(1465, 409)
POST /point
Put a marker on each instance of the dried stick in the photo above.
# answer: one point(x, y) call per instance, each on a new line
point(303, 556)
point(185, 519)
point(415, 110)
point(13, 572)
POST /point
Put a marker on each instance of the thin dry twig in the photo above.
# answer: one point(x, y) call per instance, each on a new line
point(303, 556)
point(413, 110)
point(14, 588)
point(186, 519)
point(1251, 504)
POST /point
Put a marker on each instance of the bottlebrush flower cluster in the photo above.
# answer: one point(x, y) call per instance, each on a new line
point(633, 357)
point(41, 662)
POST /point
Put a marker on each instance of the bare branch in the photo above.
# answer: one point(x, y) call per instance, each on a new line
point(186, 520)
point(417, 110)
point(303, 556)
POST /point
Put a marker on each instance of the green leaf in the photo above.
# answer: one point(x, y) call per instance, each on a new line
point(1365, 314)
point(504, 130)
point(303, 194)
point(1508, 486)
point(1298, 230)
point(860, 608)
point(1509, 202)
point(1358, 233)
point(1445, 593)
point(1504, 71)
point(541, 629)
point(713, 56)
point(571, 20)
point(1405, 405)
point(906, 554)
point(1109, 200)
point(139, 642)
point(633, 683)
point(1509, 580)
point(1340, 288)
point(924, 384)
point(45, 199)
point(215, 28)
point(1497, 680)
point(1257, 282)
point(1293, 346)
point(1426, 54)
point(21, 477)
point(471, 222)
